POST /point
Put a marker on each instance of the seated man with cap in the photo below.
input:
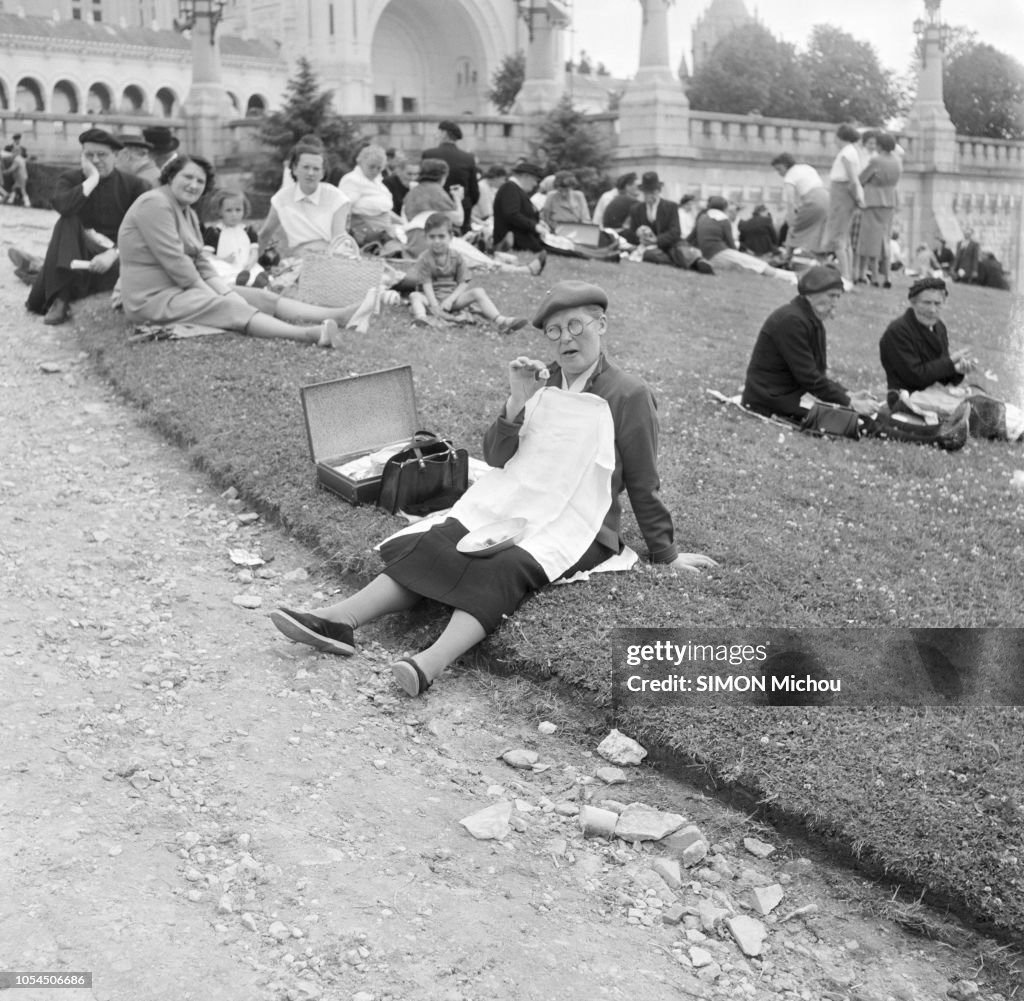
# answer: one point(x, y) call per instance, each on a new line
point(82, 257)
point(570, 438)
point(654, 225)
point(517, 224)
point(462, 170)
point(789, 365)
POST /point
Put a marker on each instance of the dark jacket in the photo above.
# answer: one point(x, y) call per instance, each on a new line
point(713, 235)
point(915, 356)
point(788, 360)
point(665, 225)
point(461, 170)
point(398, 188)
point(990, 273)
point(514, 213)
point(635, 418)
point(616, 215)
point(757, 234)
point(966, 260)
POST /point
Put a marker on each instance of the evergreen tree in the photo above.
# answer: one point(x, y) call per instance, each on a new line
point(575, 143)
point(308, 110)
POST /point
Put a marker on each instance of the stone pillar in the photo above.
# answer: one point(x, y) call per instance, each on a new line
point(929, 121)
point(654, 114)
point(544, 82)
point(207, 108)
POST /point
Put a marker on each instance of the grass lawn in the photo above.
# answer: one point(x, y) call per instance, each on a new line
point(807, 532)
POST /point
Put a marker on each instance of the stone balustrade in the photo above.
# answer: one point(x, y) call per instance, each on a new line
point(974, 153)
point(53, 138)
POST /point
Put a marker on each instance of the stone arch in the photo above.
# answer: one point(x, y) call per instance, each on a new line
point(166, 103)
point(256, 106)
point(28, 95)
point(99, 100)
point(65, 99)
point(434, 55)
point(133, 100)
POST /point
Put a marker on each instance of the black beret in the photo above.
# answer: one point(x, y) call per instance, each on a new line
point(451, 128)
point(528, 168)
point(820, 278)
point(567, 294)
point(99, 136)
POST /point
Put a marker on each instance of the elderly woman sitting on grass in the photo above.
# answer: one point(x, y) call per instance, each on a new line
point(572, 435)
point(373, 219)
point(923, 376)
point(167, 275)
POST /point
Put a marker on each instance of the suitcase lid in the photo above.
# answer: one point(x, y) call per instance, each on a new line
point(359, 414)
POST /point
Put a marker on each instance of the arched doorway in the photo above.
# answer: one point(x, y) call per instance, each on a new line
point(167, 102)
point(65, 98)
point(428, 55)
point(99, 100)
point(256, 107)
point(28, 95)
point(133, 101)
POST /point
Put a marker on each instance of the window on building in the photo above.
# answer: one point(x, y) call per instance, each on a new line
point(97, 10)
point(383, 104)
point(410, 106)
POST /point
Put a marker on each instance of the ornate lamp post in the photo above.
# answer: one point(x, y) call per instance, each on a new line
point(207, 107)
point(928, 119)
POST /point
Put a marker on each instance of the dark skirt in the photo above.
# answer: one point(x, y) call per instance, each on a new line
point(490, 588)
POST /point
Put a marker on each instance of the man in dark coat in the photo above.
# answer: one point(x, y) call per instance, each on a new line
point(462, 172)
point(990, 272)
point(92, 201)
point(654, 225)
point(965, 261)
point(515, 216)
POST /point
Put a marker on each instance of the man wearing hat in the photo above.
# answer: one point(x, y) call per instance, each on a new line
point(134, 157)
point(573, 318)
point(516, 219)
point(654, 225)
point(163, 144)
point(790, 360)
point(462, 171)
point(92, 201)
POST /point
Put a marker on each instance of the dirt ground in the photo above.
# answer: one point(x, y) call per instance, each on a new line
point(194, 808)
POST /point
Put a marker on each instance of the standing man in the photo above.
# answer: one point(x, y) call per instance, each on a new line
point(461, 168)
point(654, 225)
point(92, 201)
point(134, 157)
point(14, 160)
point(965, 263)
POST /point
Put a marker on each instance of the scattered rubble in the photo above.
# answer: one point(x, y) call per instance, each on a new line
point(621, 750)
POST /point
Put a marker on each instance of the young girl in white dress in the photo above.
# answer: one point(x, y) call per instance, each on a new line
point(235, 246)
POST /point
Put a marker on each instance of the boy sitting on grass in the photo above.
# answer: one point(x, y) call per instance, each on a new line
point(441, 274)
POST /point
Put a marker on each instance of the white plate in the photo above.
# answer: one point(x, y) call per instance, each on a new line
point(492, 538)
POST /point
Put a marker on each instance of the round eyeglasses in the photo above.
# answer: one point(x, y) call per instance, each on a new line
point(575, 327)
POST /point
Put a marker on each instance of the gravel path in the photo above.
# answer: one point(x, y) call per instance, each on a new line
point(193, 808)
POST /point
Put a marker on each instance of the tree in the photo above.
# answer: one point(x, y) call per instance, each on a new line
point(507, 82)
point(846, 80)
point(308, 110)
point(575, 143)
point(752, 72)
point(984, 92)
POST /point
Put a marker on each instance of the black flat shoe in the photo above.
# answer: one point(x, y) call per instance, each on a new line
point(301, 627)
point(409, 677)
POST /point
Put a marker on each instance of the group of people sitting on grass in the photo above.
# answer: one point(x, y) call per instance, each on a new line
point(573, 434)
point(927, 399)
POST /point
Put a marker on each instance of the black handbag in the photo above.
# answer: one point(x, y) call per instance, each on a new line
point(831, 421)
point(428, 476)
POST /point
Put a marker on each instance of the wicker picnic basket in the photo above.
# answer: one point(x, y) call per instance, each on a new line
point(339, 276)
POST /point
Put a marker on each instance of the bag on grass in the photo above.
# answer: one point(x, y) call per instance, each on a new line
point(831, 421)
point(429, 476)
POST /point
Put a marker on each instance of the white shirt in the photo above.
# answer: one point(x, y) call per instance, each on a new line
point(803, 178)
point(602, 203)
point(368, 197)
point(307, 218)
point(848, 154)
